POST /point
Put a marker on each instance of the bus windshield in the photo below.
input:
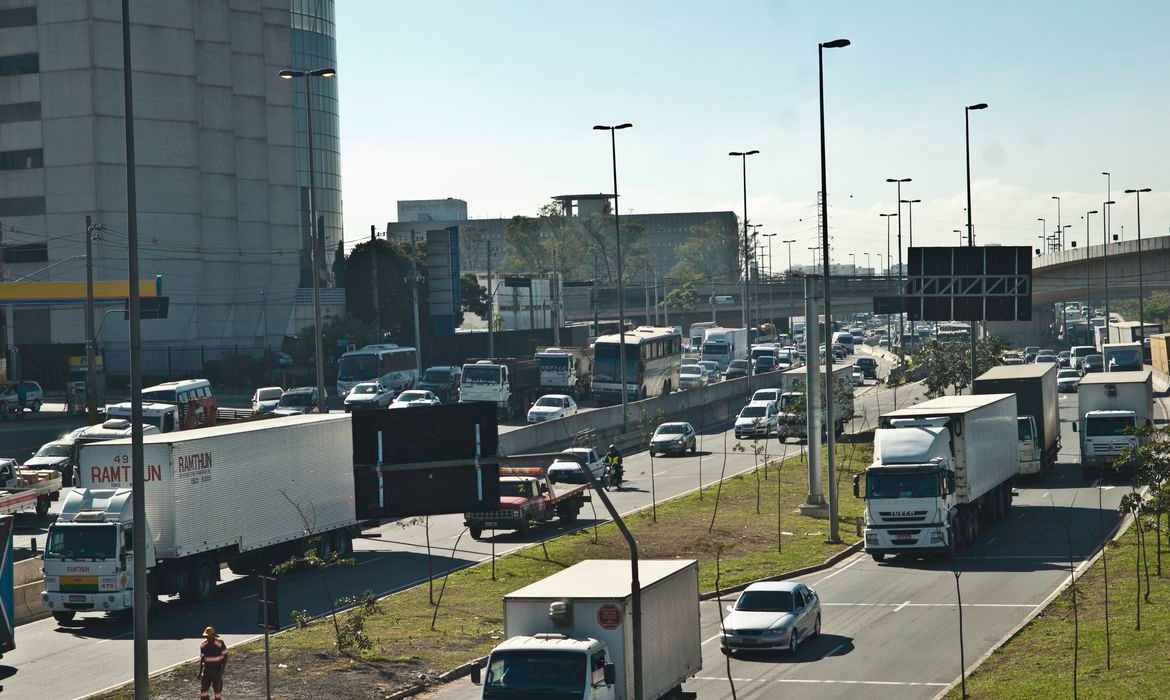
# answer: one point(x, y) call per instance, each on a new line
point(606, 366)
point(357, 367)
point(159, 396)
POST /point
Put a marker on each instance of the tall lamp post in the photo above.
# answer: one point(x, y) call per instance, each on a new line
point(742, 155)
point(960, 235)
point(910, 244)
point(1088, 269)
point(901, 287)
point(617, 234)
point(868, 265)
point(853, 257)
point(970, 226)
point(1105, 258)
point(788, 283)
point(1043, 236)
point(322, 403)
point(831, 440)
point(1141, 286)
point(889, 262)
point(1059, 228)
point(771, 281)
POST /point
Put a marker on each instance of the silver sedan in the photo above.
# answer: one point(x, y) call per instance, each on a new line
point(772, 615)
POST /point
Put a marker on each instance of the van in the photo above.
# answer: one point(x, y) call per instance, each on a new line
point(845, 339)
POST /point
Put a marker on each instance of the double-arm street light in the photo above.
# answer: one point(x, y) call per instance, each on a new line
point(617, 235)
point(970, 226)
point(771, 280)
point(901, 287)
point(1141, 286)
point(1089, 269)
point(889, 262)
point(314, 261)
point(1059, 228)
point(742, 155)
point(868, 265)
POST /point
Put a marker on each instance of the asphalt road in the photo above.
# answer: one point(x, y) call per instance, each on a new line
point(891, 630)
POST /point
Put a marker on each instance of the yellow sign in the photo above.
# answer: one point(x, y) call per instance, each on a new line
point(78, 362)
point(105, 292)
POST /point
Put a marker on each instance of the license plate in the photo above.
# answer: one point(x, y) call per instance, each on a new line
point(489, 523)
point(76, 599)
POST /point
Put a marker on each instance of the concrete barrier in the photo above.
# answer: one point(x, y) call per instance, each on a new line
point(26, 602)
point(26, 571)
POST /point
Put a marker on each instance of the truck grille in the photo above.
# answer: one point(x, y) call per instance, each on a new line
point(495, 515)
point(913, 516)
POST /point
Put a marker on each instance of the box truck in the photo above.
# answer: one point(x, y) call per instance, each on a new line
point(1037, 408)
point(793, 420)
point(939, 469)
point(570, 635)
point(1109, 406)
point(723, 345)
point(1122, 357)
point(248, 495)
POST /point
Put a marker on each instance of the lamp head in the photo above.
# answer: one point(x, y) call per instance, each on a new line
point(835, 44)
point(324, 72)
point(981, 105)
point(290, 74)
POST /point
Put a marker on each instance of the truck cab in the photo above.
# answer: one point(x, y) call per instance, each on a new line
point(1104, 434)
point(549, 665)
point(486, 382)
point(1031, 450)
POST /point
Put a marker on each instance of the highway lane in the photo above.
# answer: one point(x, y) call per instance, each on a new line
point(97, 651)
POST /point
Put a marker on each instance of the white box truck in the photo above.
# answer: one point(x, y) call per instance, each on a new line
point(1109, 405)
point(723, 345)
point(793, 420)
point(939, 469)
point(249, 495)
point(1122, 357)
point(571, 635)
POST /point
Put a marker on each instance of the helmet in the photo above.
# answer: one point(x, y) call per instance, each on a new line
point(613, 448)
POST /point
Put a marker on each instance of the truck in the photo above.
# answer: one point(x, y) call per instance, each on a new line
point(511, 383)
point(527, 497)
point(1131, 331)
point(572, 632)
point(1108, 406)
point(940, 468)
point(793, 418)
point(723, 345)
point(111, 429)
point(1122, 357)
point(1037, 410)
point(27, 489)
point(697, 332)
point(248, 495)
point(565, 370)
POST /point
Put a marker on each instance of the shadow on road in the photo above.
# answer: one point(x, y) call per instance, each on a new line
point(808, 652)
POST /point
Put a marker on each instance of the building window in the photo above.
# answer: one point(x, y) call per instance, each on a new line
point(22, 160)
point(26, 253)
point(20, 64)
point(18, 17)
point(22, 206)
point(20, 112)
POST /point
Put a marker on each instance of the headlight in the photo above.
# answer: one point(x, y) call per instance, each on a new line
point(936, 536)
point(778, 632)
point(871, 538)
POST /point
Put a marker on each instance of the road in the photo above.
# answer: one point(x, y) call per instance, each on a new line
point(391, 558)
point(891, 630)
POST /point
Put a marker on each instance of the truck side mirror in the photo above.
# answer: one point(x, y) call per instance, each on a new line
point(950, 482)
point(475, 676)
point(610, 672)
point(1074, 425)
point(857, 486)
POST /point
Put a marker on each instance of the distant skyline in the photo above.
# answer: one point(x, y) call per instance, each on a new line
point(493, 103)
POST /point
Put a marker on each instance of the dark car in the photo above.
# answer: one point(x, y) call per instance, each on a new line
point(869, 367)
point(736, 370)
point(442, 382)
point(764, 363)
point(1093, 363)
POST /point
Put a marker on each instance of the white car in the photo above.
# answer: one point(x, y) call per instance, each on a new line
point(552, 406)
point(1068, 379)
point(415, 398)
point(857, 376)
point(568, 471)
point(368, 396)
point(266, 398)
point(770, 395)
point(691, 376)
point(772, 615)
point(757, 419)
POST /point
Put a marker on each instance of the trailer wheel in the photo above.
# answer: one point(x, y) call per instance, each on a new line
point(200, 582)
point(325, 549)
point(43, 505)
point(342, 543)
point(64, 617)
point(475, 531)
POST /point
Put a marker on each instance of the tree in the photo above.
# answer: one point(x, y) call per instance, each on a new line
point(949, 364)
point(683, 298)
point(474, 298)
point(339, 265)
point(548, 242)
point(334, 328)
point(395, 304)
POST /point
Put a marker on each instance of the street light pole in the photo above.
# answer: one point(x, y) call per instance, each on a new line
point(889, 262)
point(970, 226)
point(742, 155)
point(1105, 259)
point(830, 431)
point(1141, 286)
point(771, 281)
point(1089, 270)
point(788, 283)
point(318, 343)
point(617, 234)
point(910, 227)
point(1059, 228)
point(901, 287)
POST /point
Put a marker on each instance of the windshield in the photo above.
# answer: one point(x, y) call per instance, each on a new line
point(539, 675)
point(671, 429)
point(269, 394)
point(551, 402)
point(690, 370)
point(1125, 357)
point(902, 485)
point(553, 364)
point(738, 364)
point(715, 348)
point(159, 396)
point(1025, 428)
point(607, 368)
point(365, 389)
point(762, 352)
point(516, 488)
point(1082, 351)
point(296, 399)
point(753, 412)
point(766, 361)
point(357, 367)
point(436, 376)
point(412, 396)
point(53, 449)
point(82, 542)
point(1106, 426)
point(481, 374)
point(765, 601)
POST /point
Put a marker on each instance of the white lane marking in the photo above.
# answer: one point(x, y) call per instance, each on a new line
point(908, 604)
point(713, 638)
point(811, 680)
point(857, 558)
point(371, 560)
point(1108, 488)
point(723, 678)
point(1020, 516)
point(992, 540)
point(899, 608)
point(834, 650)
point(1044, 495)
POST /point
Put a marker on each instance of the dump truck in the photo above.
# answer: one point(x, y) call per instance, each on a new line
point(1037, 409)
point(565, 370)
point(511, 383)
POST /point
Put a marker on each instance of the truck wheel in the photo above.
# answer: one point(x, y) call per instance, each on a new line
point(1007, 500)
point(43, 505)
point(522, 529)
point(36, 407)
point(567, 513)
point(342, 543)
point(325, 550)
point(64, 617)
point(879, 557)
point(475, 532)
point(200, 582)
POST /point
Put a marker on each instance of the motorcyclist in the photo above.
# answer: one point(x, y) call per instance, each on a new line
point(614, 460)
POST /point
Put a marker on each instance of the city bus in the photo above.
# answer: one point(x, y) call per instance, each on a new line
point(653, 359)
point(396, 367)
point(193, 398)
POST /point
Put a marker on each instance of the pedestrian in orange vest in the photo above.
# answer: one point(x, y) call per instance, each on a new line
point(212, 662)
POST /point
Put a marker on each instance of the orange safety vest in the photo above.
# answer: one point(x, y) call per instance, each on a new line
point(213, 653)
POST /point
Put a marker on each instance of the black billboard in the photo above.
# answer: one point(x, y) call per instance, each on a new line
point(963, 283)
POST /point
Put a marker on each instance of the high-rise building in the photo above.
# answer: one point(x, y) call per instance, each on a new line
point(222, 165)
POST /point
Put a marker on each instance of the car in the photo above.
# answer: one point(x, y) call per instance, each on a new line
point(568, 471)
point(764, 363)
point(1013, 361)
point(858, 376)
point(443, 382)
point(1067, 379)
point(772, 395)
point(1029, 357)
point(415, 398)
point(1042, 359)
point(883, 342)
point(1093, 363)
point(294, 402)
point(552, 406)
point(57, 455)
point(1064, 358)
point(869, 367)
point(283, 359)
point(368, 396)
point(265, 398)
point(673, 438)
point(10, 395)
point(714, 371)
point(691, 376)
point(771, 615)
point(1032, 350)
point(756, 420)
point(737, 369)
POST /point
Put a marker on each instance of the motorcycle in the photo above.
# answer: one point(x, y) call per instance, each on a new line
point(610, 480)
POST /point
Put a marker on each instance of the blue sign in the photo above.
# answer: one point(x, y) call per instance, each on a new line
point(7, 629)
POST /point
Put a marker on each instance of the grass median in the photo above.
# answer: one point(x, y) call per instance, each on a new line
point(1038, 662)
point(398, 646)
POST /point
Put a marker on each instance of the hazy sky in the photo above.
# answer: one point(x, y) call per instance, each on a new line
point(493, 103)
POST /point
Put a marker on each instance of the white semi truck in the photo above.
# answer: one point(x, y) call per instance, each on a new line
point(939, 469)
point(570, 635)
point(1109, 406)
point(249, 495)
point(793, 420)
point(565, 370)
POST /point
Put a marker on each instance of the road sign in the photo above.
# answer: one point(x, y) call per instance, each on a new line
point(609, 616)
point(524, 282)
point(980, 283)
point(268, 611)
point(889, 305)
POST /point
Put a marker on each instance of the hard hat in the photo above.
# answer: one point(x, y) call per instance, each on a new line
point(209, 632)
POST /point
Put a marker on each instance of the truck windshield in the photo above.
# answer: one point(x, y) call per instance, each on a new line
point(516, 488)
point(1105, 426)
point(553, 364)
point(792, 403)
point(1125, 357)
point(82, 542)
point(1025, 428)
point(902, 485)
point(539, 675)
point(481, 374)
point(716, 348)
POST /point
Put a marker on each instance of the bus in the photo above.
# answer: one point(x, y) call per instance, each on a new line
point(653, 359)
point(396, 367)
point(193, 398)
point(953, 332)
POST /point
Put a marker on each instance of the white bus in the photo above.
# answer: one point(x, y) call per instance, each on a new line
point(653, 359)
point(394, 366)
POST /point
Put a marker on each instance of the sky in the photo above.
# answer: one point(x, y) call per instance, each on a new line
point(494, 103)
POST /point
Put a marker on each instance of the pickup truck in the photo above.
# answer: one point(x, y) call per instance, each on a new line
point(528, 496)
point(27, 489)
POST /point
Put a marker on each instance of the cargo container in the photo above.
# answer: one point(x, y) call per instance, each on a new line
point(1110, 406)
point(1037, 408)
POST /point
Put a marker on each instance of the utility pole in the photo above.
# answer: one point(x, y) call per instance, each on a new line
point(374, 269)
point(90, 350)
point(414, 300)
